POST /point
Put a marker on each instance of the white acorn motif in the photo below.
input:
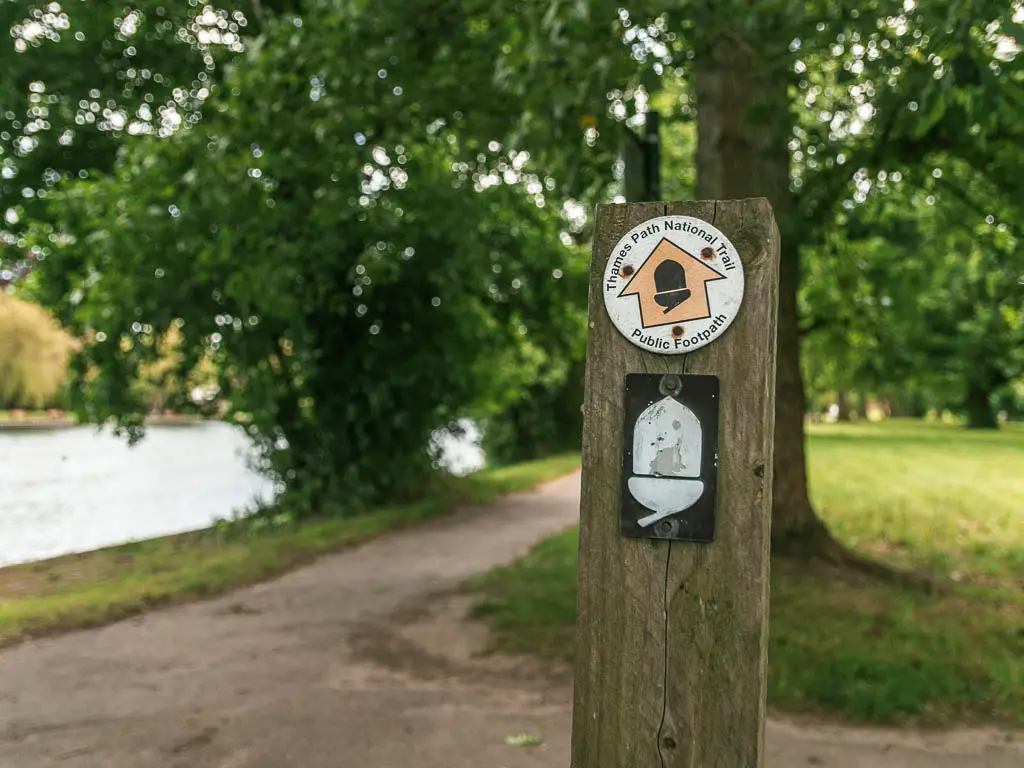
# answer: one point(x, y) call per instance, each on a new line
point(667, 446)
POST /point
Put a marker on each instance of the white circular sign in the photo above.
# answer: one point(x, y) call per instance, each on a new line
point(673, 284)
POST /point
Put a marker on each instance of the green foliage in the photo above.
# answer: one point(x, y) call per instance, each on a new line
point(81, 79)
point(160, 385)
point(678, 139)
point(356, 281)
point(547, 419)
point(924, 291)
point(910, 493)
point(33, 355)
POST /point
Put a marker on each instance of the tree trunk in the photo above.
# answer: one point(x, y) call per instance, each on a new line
point(899, 405)
point(743, 126)
point(843, 405)
point(978, 404)
point(796, 529)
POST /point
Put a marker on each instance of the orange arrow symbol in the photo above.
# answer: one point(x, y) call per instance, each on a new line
point(671, 286)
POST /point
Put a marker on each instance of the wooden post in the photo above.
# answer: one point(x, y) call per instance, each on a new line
point(672, 636)
point(641, 158)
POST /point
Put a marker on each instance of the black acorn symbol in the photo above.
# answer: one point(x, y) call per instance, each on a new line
point(670, 282)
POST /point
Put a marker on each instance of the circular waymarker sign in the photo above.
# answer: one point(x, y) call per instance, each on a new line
point(673, 284)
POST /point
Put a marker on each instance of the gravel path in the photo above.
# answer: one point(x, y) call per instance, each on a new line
point(362, 659)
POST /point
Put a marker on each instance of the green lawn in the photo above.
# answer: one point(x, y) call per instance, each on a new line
point(925, 495)
point(908, 493)
point(98, 587)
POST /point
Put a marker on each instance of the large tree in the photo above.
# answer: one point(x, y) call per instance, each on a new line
point(359, 269)
point(796, 100)
point(806, 103)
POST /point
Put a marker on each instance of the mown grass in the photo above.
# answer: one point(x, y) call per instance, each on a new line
point(925, 495)
point(95, 588)
point(911, 494)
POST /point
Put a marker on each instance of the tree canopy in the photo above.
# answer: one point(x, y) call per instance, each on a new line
point(358, 278)
point(373, 215)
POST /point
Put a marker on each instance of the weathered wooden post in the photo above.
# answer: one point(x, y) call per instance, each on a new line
point(641, 158)
point(675, 512)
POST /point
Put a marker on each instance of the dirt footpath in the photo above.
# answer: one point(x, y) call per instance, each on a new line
point(362, 659)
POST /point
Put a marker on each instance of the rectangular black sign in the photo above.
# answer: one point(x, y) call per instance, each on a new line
point(669, 457)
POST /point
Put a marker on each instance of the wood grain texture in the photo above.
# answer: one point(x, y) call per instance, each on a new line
point(672, 636)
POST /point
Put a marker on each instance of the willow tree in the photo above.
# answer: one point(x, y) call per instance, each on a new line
point(34, 352)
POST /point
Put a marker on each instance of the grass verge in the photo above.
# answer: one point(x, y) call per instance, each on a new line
point(98, 587)
point(22, 414)
point(911, 494)
point(49, 420)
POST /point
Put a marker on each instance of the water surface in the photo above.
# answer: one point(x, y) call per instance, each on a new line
point(73, 490)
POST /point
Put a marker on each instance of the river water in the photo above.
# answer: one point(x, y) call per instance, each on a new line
point(73, 490)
